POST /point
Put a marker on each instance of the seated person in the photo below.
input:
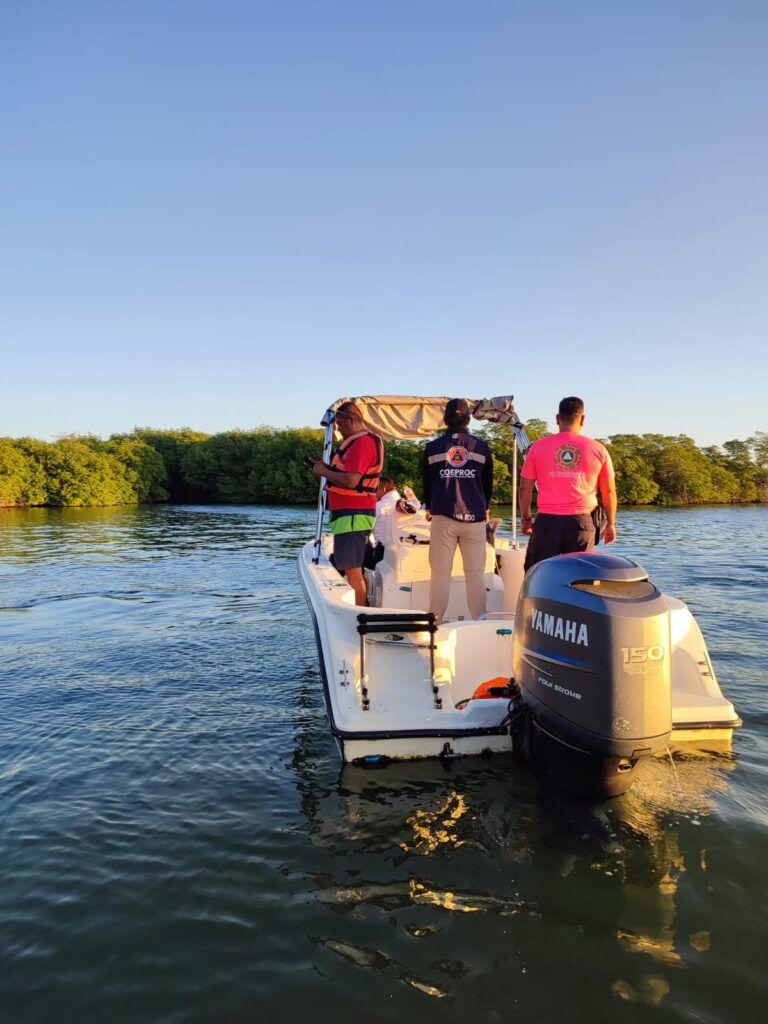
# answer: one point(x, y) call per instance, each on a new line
point(409, 504)
point(387, 497)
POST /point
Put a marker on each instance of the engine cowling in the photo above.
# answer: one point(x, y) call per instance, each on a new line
point(592, 658)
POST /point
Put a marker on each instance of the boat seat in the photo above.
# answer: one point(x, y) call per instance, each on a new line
point(406, 547)
point(402, 576)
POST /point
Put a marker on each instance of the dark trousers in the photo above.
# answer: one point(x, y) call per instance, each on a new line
point(557, 535)
point(373, 555)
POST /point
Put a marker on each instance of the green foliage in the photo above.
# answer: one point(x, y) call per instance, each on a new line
point(22, 477)
point(635, 483)
point(501, 438)
point(655, 468)
point(35, 490)
point(402, 461)
point(171, 446)
point(78, 471)
point(260, 466)
point(683, 474)
point(278, 473)
point(143, 468)
point(266, 466)
point(758, 446)
point(78, 474)
point(536, 429)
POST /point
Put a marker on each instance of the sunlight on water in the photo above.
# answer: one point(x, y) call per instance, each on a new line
point(431, 828)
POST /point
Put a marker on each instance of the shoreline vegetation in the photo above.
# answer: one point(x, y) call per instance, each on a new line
point(265, 466)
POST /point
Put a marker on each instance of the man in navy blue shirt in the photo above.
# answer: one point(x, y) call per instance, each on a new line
point(457, 474)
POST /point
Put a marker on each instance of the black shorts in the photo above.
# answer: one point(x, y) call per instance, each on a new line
point(557, 535)
point(349, 549)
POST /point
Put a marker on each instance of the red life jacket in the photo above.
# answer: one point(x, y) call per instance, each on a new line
point(369, 481)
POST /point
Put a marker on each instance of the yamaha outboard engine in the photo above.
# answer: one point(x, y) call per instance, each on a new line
point(592, 658)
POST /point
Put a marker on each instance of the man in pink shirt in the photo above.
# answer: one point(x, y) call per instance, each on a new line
point(568, 470)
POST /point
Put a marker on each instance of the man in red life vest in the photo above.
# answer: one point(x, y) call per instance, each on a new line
point(352, 479)
point(568, 469)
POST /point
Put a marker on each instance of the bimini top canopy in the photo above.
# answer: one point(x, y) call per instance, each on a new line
point(396, 417)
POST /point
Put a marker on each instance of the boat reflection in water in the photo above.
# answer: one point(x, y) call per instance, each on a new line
point(649, 813)
point(430, 846)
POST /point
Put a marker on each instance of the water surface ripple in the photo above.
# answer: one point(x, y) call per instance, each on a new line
point(180, 844)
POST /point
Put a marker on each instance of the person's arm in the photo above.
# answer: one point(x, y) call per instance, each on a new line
point(360, 457)
point(336, 476)
point(488, 481)
point(426, 481)
point(607, 484)
point(528, 476)
point(524, 498)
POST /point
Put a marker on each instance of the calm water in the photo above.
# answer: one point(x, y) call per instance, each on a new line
point(179, 843)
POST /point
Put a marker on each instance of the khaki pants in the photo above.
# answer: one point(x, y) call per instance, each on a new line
point(445, 535)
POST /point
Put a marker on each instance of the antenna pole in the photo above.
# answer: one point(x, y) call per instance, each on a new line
point(514, 494)
point(327, 422)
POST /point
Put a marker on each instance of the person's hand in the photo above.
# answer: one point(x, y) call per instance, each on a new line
point(317, 467)
point(526, 526)
point(428, 514)
point(609, 533)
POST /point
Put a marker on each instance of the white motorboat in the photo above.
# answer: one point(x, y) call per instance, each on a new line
point(581, 658)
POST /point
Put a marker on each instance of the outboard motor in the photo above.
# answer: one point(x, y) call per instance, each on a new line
point(592, 658)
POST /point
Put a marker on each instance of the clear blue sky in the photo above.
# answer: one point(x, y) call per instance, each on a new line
point(223, 213)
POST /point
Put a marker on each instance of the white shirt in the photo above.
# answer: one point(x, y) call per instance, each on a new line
point(387, 501)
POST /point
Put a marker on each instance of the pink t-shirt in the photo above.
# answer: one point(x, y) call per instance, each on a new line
point(567, 468)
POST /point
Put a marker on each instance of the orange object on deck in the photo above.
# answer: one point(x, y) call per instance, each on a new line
point(483, 691)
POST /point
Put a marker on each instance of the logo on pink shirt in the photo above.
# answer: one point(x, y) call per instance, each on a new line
point(568, 456)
